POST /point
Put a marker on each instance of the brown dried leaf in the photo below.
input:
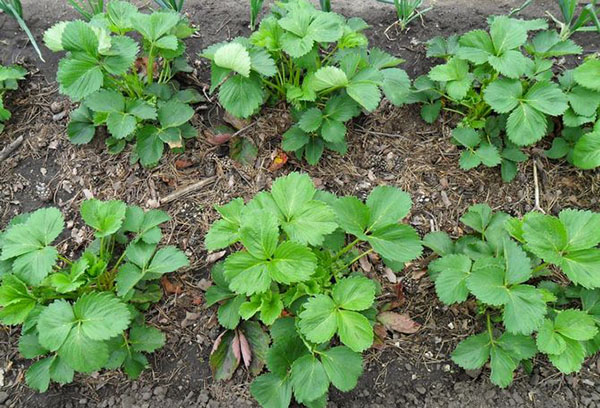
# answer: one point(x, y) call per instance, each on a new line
point(181, 164)
point(170, 287)
point(216, 138)
point(215, 256)
point(365, 264)
point(398, 322)
point(189, 318)
point(237, 123)
point(416, 275)
point(390, 275)
point(278, 162)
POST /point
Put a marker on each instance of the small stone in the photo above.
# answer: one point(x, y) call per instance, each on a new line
point(59, 116)
point(56, 106)
point(83, 401)
point(421, 390)
point(160, 390)
point(3, 397)
point(473, 373)
point(146, 396)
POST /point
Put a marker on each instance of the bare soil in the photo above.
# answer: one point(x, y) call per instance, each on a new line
point(393, 146)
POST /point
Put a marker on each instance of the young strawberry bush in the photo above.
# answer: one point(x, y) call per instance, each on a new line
point(293, 272)
point(8, 82)
point(84, 314)
point(535, 283)
point(579, 141)
point(316, 61)
point(506, 99)
point(126, 86)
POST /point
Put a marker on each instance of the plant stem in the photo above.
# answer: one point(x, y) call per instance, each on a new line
point(114, 268)
point(358, 257)
point(64, 259)
point(150, 66)
point(540, 267)
point(346, 249)
point(489, 328)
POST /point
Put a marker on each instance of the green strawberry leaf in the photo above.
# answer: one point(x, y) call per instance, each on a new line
point(272, 391)
point(450, 282)
point(343, 367)
point(309, 378)
point(473, 352)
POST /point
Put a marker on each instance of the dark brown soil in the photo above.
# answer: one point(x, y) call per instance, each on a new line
point(392, 146)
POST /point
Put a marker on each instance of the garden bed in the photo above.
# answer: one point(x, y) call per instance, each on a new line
point(393, 146)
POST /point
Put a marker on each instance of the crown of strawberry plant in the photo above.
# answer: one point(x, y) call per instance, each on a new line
point(507, 265)
point(294, 275)
point(133, 94)
point(579, 142)
point(8, 82)
point(505, 98)
point(86, 314)
point(316, 61)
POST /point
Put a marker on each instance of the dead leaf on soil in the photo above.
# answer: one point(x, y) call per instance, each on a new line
point(237, 123)
point(398, 322)
point(365, 264)
point(390, 275)
point(189, 319)
point(170, 287)
point(181, 164)
point(416, 275)
point(204, 284)
point(278, 162)
point(215, 256)
point(216, 137)
point(380, 336)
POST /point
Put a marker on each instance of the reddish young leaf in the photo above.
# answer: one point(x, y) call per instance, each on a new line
point(245, 349)
point(224, 359)
point(235, 346)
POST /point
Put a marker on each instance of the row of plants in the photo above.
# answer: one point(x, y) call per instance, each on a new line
point(292, 270)
point(290, 297)
point(502, 83)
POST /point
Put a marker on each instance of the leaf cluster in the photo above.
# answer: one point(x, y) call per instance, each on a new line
point(316, 61)
point(576, 19)
point(9, 75)
point(579, 140)
point(86, 314)
point(125, 85)
point(502, 85)
point(506, 266)
point(293, 273)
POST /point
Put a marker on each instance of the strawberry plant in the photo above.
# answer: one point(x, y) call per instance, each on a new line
point(505, 99)
point(8, 82)
point(535, 284)
point(316, 61)
point(293, 272)
point(133, 94)
point(85, 314)
point(579, 141)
